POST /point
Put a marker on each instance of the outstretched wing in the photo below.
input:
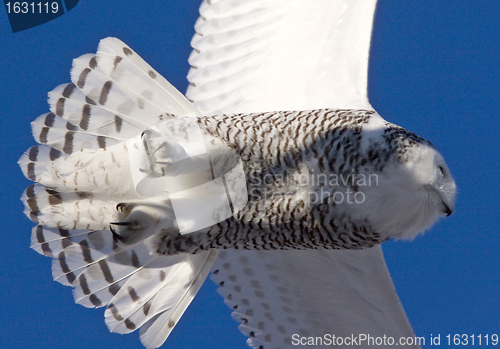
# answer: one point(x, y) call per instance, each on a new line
point(267, 55)
point(82, 171)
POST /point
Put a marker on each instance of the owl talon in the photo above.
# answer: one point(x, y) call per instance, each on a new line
point(120, 207)
point(124, 223)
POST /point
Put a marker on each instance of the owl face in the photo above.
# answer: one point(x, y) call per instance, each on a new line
point(411, 195)
point(431, 172)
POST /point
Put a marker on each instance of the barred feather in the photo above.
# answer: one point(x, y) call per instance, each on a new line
point(49, 129)
point(36, 160)
point(71, 104)
point(82, 172)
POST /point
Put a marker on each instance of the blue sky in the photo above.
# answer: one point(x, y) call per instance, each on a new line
point(434, 69)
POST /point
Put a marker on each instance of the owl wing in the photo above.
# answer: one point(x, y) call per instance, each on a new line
point(293, 55)
point(114, 95)
point(280, 55)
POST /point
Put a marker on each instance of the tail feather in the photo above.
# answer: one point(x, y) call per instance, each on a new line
point(155, 331)
point(71, 104)
point(106, 273)
point(135, 302)
point(122, 64)
point(51, 241)
point(67, 210)
point(111, 95)
point(82, 171)
point(53, 131)
point(36, 161)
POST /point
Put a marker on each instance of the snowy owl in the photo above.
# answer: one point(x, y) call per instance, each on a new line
point(277, 158)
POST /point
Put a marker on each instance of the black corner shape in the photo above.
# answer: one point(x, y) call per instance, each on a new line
point(28, 14)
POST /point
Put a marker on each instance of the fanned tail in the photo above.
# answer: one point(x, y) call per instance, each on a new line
point(81, 170)
point(139, 289)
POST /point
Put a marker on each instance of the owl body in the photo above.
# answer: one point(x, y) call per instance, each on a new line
point(315, 179)
point(135, 192)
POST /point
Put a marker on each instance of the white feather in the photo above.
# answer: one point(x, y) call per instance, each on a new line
point(115, 95)
point(313, 54)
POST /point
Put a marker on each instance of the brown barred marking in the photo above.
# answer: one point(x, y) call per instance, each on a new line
point(84, 285)
point(31, 171)
point(68, 142)
point(84, 195)
point(71, 127)
point(95, 301)
point(115, 312)
point(151, 74)
point(93, 62)
point(54, 197)
point(106, 271)
point(33, 153)
point(68, 90)
point(34, 217)
point(259, 294)
point(70, 277)
point(270, 317)
point(31, 201)
point(105, 92)
point(90, 101)
point(130, 325)
point(86, 251)
point(64, 232)
point(43, 135)
point(116, 61)
point(135, 260)
point(66, 242)
point(47, 251)
point(133, 294)
point(83, 76)
point(146, 308)
point(127, 51)
point(162, 276)
point(60, 106)
point(113, 289)
point(101, 141)
point(84, 122)
point(64, 267)
point(49, 120)
point(118, 123)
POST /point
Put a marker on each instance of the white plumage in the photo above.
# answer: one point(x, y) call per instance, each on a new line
point(84, 175)
point(125, 176)
point(311, 54)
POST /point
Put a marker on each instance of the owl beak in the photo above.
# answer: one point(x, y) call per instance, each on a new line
point(116, 236)
point(447, 209)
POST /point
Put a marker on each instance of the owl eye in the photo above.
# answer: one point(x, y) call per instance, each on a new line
point(441, 171)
